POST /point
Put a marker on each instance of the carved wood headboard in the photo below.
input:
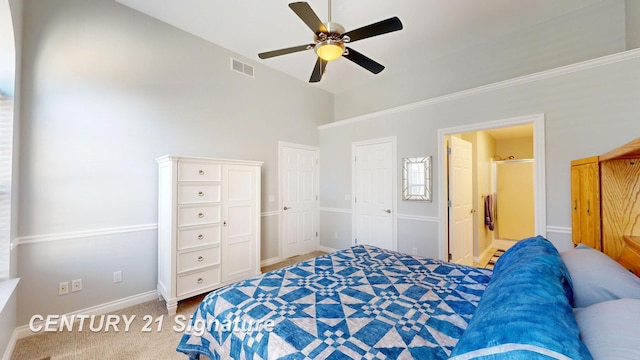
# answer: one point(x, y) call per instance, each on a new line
point(630, 254)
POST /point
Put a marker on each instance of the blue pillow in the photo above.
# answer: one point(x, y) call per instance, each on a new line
point(597, 277)
point(525, 312)
point(610, 328)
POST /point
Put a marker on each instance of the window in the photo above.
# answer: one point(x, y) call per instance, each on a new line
point(6, 147)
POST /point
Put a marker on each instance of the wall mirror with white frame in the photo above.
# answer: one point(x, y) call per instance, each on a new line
point(416, 178)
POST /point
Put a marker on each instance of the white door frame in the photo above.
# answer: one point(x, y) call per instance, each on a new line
point(394, 185)
point(316, 210)
point(539, 185)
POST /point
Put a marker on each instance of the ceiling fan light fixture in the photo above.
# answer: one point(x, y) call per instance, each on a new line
point(329, 50)
point(330, 39)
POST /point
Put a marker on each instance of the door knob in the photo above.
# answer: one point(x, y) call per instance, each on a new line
point(388, 211)
point(287, 208)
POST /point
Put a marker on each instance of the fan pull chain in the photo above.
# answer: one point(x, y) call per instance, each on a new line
point(329, 17)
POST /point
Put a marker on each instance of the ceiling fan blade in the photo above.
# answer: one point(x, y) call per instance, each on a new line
point(363, 61)
point(379, 28)
point(318, 70)
point(270, 54)
point(306, 13)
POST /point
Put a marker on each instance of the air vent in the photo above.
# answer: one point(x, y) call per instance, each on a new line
point(239, 66)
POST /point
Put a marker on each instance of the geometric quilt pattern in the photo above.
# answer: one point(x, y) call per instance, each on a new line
point(359, 303)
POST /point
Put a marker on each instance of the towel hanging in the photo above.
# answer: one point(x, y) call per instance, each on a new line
point(488, 211)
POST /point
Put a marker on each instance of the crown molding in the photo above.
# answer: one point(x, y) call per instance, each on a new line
point(542, 75)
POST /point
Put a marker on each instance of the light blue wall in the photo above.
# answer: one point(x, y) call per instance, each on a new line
point(633, 24)
point(587, 113)
point(106, 90)
point(589, 33)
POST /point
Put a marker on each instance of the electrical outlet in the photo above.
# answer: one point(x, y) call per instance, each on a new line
point(117, 276)
point(414, 251)
point(63, 288)
point(76, 285)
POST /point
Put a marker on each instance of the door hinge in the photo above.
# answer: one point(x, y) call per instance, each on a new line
point(450, 257)
point(356, 241)
point(316, 234)
point(355, 158)
point(355, 199)
point(449, 203)
point(448, 151)
point(316, 197)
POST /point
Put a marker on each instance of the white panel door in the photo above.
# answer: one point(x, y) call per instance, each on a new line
point(238, 226)
point(461, 197)
point(373, 195)
point(299, 199)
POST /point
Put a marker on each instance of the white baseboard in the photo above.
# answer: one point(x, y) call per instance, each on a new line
point(277, 259)
point(503, 244)
point(484, 254)
point(270, 261)
point(24, 330)
point(11, 345)
point(326, 249)
point(559, 230)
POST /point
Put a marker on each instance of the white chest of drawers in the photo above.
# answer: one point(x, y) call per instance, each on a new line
point(208, 225)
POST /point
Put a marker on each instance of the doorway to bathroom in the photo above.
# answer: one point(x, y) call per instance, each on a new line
point(496, 143)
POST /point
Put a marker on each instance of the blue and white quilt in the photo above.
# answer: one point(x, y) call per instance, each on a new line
point(359, 303)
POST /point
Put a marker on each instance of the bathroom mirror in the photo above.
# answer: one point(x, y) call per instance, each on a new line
point(416, 178)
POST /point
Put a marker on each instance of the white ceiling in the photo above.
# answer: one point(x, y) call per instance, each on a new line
point(432, 28)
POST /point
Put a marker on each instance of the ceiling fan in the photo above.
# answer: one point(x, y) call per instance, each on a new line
point(330, 39)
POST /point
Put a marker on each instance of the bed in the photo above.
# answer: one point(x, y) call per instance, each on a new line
point(369, 303)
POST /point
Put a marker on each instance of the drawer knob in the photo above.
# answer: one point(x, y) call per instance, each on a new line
point(200, 259)
point(200, 193)
point(200, 237)
point(201, 172)
point(200, 215)
point(200, 280)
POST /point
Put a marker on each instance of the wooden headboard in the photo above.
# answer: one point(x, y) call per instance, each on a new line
point(630, 254)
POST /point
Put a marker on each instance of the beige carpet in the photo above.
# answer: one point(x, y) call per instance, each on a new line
point(134, 344)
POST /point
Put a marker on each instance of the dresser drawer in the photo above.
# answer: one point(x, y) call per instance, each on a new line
point(196, 215)
point(198, 280)
point(198, 193)
point(199, 171)
point(198, 236)
point(192, 260)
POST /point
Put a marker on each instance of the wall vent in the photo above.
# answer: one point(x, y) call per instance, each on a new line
point(239, 66)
